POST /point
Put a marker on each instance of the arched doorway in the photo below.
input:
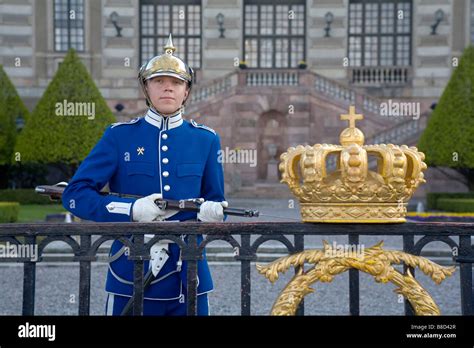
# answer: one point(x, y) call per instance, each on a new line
point(272, 142)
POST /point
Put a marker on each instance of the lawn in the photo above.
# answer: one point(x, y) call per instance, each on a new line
point(38, 212)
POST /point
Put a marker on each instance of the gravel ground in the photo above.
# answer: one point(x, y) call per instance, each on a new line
point(57, 292)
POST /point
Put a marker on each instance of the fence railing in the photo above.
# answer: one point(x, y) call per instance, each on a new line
point(380, 76)
point(455, 235)
point(334, 90)
point(399, 133)
point(272, 78)
point(202, 92)
point(297, 78)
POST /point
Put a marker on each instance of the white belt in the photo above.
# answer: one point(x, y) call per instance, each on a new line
point(159, 255)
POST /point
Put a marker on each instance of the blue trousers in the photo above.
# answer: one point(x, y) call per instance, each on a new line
point(116, 303)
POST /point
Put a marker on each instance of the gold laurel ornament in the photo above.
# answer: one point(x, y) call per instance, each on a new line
point(375, 261)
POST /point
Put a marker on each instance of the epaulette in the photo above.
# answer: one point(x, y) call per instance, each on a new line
point(135, 120)
point(202, 127)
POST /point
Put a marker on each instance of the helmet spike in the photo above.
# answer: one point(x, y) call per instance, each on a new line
point(169, 48)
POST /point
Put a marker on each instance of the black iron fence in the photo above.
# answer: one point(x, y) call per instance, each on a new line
point(458, 236)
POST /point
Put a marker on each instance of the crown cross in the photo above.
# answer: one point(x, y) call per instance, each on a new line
point(352, 117)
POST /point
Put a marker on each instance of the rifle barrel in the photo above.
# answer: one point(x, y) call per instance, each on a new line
point(55, 193)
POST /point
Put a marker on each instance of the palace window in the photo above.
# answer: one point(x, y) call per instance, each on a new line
point(181, 18)
point(68, 25)
point(274, 33)
point(380, 33)
point(472, 21)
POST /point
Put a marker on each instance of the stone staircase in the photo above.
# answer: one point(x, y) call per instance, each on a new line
point(394, 130)
point(219, 102)
point(329, 90)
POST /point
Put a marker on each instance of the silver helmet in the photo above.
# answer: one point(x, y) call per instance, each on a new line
point(165, 65)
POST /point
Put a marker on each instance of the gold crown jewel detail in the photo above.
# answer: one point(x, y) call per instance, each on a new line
point(353, 192)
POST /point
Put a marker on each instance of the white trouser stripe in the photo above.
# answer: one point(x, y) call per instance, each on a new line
point(208, 306)
point(110, 305)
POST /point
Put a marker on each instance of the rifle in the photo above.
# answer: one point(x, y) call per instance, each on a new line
point(55, 192)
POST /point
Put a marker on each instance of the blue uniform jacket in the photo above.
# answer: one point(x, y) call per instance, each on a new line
point(148, 155)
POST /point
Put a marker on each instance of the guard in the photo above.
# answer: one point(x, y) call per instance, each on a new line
point(159, 155)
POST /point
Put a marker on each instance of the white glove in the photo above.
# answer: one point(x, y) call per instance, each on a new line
point(145, 210)
point(212, 211)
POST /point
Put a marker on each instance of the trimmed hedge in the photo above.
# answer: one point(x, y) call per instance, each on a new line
point(451, 125)
point(58, 132)
point(12, 108)
point(458, 205)
point(433, 197)
point(24, 196)
point(9, 211)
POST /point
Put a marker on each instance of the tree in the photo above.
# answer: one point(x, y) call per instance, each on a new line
point(12, 111)
point(448, 140)
point(68, 120)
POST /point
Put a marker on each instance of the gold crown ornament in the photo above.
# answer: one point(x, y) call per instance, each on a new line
point(352, 193)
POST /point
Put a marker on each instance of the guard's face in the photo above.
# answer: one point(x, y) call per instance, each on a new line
point(167, 93)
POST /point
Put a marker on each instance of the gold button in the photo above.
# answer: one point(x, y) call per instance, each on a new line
point(165, 161)
point(167, 187)
point(166, 174)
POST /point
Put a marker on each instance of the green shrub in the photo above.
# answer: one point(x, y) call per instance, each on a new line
point(447, 139)
point(65, 137)
point(12, 112)
point(12, 109)
point(24, 196)
point(9, 211)
point(457, 205)
point(433, 197)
